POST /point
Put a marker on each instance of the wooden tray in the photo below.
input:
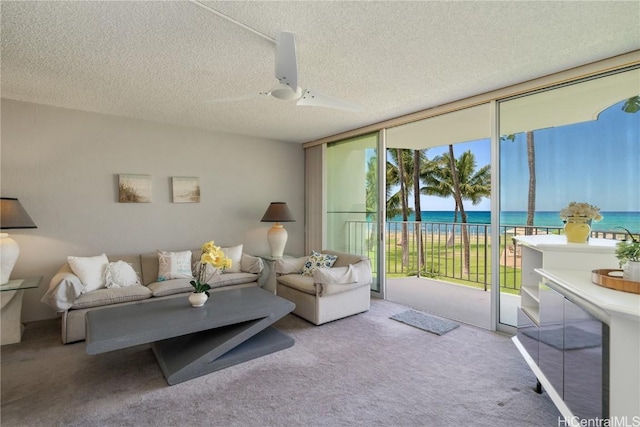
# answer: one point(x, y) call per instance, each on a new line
point(602, 278)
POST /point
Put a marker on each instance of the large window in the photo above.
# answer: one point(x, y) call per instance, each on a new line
point(578, 142)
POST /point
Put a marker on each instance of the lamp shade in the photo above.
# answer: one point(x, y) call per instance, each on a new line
point(278, 212)
point(13, 215)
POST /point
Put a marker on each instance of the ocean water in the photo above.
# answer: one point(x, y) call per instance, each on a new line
point(611, 221)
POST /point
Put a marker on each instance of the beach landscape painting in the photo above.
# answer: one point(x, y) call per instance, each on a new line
point(186, 189)
point(134, 188)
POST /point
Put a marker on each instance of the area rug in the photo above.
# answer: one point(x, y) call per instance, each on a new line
point(575, 338)
point(426, 322)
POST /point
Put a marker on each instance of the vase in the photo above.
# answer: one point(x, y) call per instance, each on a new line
point(577, 229)
point(631, 271)
point(197, 299)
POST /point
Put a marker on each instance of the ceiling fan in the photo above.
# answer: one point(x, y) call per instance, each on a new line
point(287, 75)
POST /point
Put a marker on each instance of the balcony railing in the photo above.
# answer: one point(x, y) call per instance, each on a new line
point(442, 253)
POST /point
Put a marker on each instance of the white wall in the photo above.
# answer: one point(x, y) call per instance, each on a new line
point(63, 166)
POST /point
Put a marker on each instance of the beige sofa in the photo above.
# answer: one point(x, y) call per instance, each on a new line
point(331, 293)
point(68, 296)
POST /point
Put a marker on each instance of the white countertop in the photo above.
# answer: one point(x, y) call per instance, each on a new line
point(578, 283)
point(559, 243)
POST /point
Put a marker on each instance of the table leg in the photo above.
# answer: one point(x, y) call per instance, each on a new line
point(190, 356)
point(11, 312)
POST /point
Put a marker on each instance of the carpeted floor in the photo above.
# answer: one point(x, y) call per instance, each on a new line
point(365, 370)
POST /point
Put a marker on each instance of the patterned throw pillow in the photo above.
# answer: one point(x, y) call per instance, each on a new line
point(174, 265)
point(120, 274)
point(317, 260)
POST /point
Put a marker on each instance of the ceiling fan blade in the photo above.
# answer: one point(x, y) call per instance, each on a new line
point(237, 98)
point(311, 98)
point(286, 63)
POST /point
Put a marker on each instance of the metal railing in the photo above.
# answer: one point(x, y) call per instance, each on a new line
point(435, 249)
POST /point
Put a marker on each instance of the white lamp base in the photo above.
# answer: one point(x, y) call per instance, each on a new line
point(9, 252)
point(277, 237)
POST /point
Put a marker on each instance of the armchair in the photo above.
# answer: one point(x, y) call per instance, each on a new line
point(332, 293)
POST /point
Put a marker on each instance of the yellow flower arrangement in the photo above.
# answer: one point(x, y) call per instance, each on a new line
point(580, 209)
point(211, 255)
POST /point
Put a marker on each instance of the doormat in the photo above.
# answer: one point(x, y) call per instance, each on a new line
point(575, 338)
point(426, 322)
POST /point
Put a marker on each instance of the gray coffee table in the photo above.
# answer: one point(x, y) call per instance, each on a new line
point(232, 327)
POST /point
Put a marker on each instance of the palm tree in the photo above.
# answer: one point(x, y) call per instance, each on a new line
point(457, 195)
point(417, 207)
point(405, 206)
point(531, 194)
point(459, 179)
point(371, 197)
point(474, 184)
point(414, 166)
point(400, 173)
point(531, 164)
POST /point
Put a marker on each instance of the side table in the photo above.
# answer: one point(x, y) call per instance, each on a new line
point(11, 302)
point(268, 279)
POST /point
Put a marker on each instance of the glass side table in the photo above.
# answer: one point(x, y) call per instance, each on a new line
point(268, 279)
point(11, 303)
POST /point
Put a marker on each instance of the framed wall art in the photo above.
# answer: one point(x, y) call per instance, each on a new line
point(134, 188)
point(186, 189)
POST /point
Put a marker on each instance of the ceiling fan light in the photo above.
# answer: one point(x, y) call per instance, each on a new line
point(286, 93)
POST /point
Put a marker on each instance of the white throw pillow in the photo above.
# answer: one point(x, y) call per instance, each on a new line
point(90, 270)
point(235, 254)
point(174, 265)
point(120, 274)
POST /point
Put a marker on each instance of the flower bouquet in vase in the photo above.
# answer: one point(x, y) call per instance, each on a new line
point(577, 217)
point(212, 256)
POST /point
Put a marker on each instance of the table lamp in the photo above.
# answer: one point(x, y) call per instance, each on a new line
point(12, 215)
point(277, 236)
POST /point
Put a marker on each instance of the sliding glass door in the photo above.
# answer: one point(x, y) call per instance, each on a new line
point(438, 215)
point(352, 210)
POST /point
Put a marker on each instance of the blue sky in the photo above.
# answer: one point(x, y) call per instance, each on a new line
point(596, 162)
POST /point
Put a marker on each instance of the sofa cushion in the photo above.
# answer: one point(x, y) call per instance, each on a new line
point(174, 265)
point(90, 270)
point(120, 274)
point(290, 265)
point(170, 287)
point(228, 279)
point(108, 296)
point(317, 260)
point(344, 259)
point(299, 282)
point(251, 264)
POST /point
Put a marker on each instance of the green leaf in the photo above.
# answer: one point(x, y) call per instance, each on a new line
point(632, 105)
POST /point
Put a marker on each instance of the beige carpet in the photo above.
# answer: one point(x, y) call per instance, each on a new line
point(366, 370)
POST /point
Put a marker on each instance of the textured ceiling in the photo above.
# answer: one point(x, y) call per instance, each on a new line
point(162, 61)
